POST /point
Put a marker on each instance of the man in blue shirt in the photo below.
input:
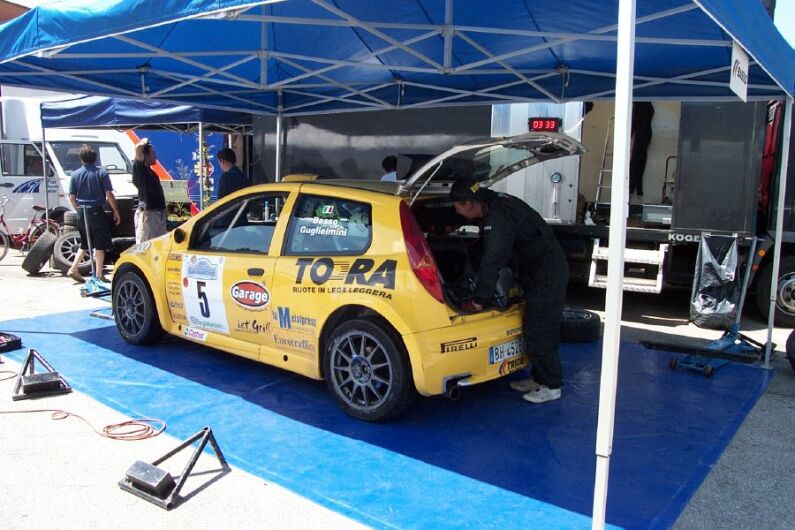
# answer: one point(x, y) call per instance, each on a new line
point(89, 189)
point(232, 178)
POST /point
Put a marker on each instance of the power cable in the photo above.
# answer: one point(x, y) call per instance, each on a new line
point(130, 430)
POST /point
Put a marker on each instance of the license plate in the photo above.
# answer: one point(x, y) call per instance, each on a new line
point(506, 350)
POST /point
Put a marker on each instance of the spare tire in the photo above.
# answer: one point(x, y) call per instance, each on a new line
point(579, 325)
point(71, 218)
point(39, 253)
point(64, 251)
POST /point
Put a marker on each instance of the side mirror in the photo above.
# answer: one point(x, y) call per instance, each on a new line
point(179, 235)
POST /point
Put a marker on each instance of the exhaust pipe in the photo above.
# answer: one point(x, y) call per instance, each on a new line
point(453, 392)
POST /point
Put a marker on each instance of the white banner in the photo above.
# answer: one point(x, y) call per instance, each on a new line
point(738, 81)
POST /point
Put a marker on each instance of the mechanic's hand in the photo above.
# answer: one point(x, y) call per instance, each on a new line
point(116, 218)
point(139, 148)
point(470, 306)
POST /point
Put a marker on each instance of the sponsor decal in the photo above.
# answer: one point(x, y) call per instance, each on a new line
point(362, 271)
point(185, 282)
point(174, 257)
point(295, 344)
point(253, 326)
point(174, 269)
point(195, 334)
point(176, 305)
point(287, 319)
point(250, 295)
point(506, 350)
point(139, 248)
point(173, 289)
point(205, 323)
point(202, 269)
point(514, 331)
point(459, 345)
point(510, 366)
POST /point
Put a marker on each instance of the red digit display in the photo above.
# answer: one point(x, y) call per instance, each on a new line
point(543, 124)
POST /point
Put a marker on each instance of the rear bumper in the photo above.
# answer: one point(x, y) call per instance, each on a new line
point(472, 350)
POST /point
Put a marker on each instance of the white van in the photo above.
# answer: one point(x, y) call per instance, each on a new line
point(21, 171)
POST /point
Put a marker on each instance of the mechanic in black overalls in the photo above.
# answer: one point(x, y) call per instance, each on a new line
point(517, 236)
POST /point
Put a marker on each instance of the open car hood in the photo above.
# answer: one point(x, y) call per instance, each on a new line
point(489, 160)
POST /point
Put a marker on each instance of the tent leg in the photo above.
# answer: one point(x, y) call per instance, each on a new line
point(201, 166)
point(782, 190)
point(277, 174)
point(619, 195)
point(44, 174)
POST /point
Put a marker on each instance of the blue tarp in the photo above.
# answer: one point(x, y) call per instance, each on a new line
point(92, 111)
point(322, 56)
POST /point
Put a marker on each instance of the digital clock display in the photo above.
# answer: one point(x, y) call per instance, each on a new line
point(543, 124)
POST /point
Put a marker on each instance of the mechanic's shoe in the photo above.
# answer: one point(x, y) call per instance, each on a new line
point(103, 279)
point(73, 274)
point(542, 394)
point(524, 385)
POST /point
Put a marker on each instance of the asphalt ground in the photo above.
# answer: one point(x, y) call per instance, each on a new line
point(61, 474)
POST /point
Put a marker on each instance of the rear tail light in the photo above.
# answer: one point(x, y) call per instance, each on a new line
point(420, 257)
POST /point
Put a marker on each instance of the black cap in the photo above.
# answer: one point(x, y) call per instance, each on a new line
point(465, 190)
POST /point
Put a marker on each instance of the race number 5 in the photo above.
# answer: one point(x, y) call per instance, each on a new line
point(204, 304)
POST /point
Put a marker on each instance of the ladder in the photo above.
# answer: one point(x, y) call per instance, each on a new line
point(639, 265)
point(607, 162)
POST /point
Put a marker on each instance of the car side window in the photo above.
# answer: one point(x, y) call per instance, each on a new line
point(245, 225)
point(329, 226)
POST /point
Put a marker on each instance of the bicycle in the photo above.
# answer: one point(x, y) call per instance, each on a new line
point(24, 240)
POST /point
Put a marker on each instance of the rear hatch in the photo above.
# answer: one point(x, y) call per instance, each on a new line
point(488, 160)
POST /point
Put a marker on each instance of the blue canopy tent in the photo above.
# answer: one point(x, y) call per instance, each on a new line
point(295, 57)
point(99, 111)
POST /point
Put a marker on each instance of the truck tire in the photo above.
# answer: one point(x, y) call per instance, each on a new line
point(71, 218)
point(785, 300)
point(64, 251)
point(579, 325)
point(791, 349)
point(39, 253)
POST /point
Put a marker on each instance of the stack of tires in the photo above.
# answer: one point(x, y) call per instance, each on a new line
point(67, 245)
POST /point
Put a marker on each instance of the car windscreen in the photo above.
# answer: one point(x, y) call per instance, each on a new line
point(109, 156)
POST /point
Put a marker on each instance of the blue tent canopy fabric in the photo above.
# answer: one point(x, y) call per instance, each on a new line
point(91, 111)
point(296, 57)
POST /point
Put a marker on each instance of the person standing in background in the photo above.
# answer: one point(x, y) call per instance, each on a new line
point(150, 217)
point(232, 179)
point(390, 168)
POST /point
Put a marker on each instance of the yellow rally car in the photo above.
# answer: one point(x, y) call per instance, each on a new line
point(351, 281)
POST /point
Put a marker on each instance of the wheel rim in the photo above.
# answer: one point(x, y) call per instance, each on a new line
point(786, 294)
point(362, 372)
point(130, 308)
point(69, 247)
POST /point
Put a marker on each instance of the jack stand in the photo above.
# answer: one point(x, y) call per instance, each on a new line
point(93, 288)
point(32, 385)
point(157, 486)
point(104, 314)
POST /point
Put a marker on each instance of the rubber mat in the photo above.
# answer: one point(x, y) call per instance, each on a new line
point(488, 459)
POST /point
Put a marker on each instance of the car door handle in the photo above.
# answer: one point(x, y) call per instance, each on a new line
point(256, 272)
point(7, 185)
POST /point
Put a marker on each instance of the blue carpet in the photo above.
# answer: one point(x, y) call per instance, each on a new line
point(486, 460)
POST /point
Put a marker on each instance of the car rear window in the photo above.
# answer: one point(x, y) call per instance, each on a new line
point(329, 226)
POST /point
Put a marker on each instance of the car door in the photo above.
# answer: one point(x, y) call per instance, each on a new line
point(21, 182)
point(226, 273)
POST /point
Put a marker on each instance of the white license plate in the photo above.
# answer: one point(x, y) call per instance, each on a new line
point(506, 350)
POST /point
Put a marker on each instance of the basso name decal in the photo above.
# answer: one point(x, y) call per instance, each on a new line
point(460, 345)
point(362, 271)
point(250, 295)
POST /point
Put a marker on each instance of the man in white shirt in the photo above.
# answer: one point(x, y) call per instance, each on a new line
point(390, 168)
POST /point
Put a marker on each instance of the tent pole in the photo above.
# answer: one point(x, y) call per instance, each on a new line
point(619, 195)
point(44, 170)
point(782, 190)
point(278, 170)
point(201, 166)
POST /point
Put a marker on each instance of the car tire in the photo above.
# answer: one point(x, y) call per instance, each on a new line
point(367, 370)
point(791, 349)
point(63, 254)
point(71, 218)
point(579, 325)
point(134, 309)
point(785, 300)
point(39, 253)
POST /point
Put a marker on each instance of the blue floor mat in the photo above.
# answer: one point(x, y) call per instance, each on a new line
point(486, 460)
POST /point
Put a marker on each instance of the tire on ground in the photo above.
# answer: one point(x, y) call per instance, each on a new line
point(71, 218)
point(785, 309)
point(791, 349)
point(134, 308)
point(579, 325)
point(39, 253)
point(384, 346)
point(66, 247)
